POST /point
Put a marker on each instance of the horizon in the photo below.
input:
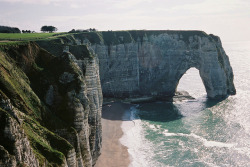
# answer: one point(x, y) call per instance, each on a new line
point(228, 19)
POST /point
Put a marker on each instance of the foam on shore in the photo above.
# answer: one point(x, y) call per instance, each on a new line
point(133, 138)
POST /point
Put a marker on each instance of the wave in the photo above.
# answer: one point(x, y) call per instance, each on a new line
point(206, 142)
point(133, 138)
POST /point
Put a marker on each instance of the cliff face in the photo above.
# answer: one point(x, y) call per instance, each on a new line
point(50, 106)
point(151, 63)
point(51, 95)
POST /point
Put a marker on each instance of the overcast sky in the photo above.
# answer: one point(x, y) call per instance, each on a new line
point(229, 19)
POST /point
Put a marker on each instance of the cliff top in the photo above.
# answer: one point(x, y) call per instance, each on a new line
point(108, 37)
point(55, 43)
point(28, 36)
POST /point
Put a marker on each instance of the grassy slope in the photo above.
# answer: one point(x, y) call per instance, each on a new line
point(16, 85)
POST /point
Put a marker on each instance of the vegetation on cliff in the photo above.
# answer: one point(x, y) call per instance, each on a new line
point(26, 72)
point(15, 84)
point(28, 36)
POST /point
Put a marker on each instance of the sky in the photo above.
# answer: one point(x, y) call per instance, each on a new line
point(229, 19)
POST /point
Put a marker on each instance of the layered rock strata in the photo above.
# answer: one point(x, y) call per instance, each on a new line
point(50, 107)
point(151, 63)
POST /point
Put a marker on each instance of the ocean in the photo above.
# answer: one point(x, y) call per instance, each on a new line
point(195, 133)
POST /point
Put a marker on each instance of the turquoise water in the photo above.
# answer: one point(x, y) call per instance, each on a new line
point(196, 132)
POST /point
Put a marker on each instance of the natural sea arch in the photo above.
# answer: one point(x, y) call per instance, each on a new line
point(213, 78)
point(153, 65)
point(161, 80)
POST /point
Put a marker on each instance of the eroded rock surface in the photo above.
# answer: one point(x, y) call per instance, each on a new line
point(153, 62)
point(50, 107)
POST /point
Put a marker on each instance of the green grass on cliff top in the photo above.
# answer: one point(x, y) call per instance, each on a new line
point(108, 37)
point(28, 36)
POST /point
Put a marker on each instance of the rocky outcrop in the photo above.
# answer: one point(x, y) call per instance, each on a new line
point(51, 95)
point(17, 146)
point(50, 106)
point(151, 63)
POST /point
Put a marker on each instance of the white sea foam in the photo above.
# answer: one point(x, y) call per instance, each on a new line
point(206, 142)
point(152, 126)
point(133, 138)
point(243, 150)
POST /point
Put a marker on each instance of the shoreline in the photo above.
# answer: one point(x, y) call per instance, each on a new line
point(113, 153)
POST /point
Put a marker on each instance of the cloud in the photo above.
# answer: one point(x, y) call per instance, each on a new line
point(130, 3)
point(31, 1)
point(44, 2)
point(62, 18)
point(209, 7)
point(213, 16)
point(57, 1)
point(101, 16)
point(75, 6)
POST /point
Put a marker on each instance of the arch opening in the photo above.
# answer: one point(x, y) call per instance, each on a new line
point(191, 82)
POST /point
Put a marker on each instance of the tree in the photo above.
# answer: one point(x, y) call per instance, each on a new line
point(48, 29)
point(92, 29)
point(27, 31)
point(72, 31)
point(6, 29)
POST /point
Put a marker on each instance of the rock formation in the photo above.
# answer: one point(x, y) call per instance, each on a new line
point(50, 107)
point(151, 63)
point(51, 95)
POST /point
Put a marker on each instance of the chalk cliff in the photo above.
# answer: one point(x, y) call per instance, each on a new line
point(50, 106)
point(51, 95)
point(151, 63)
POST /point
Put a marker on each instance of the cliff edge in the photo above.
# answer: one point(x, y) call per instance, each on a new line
point(151, 63)
point(50, 107)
